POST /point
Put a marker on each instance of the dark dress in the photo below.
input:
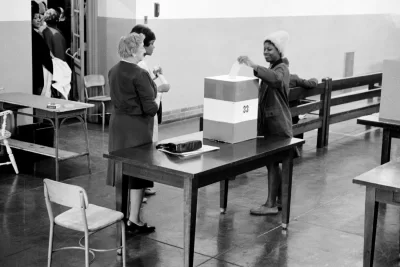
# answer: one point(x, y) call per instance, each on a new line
point(133, 95)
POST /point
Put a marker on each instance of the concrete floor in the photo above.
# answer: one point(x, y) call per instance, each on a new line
point(326, 227)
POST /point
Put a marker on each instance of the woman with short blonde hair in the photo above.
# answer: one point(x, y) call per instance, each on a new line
point(128, 45)
point(135, 102)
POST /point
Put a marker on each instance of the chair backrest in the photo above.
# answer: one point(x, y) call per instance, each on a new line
point(65, 194)
point(93, 81)
point(3, 117)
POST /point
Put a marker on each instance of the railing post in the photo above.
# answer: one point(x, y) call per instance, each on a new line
point(201, 124)
point(324, 112)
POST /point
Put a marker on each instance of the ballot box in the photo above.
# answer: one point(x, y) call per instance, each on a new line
point(390, 94)
point(230, 108)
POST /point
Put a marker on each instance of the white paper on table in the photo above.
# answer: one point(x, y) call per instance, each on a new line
point(234, 70)
point(203, 149)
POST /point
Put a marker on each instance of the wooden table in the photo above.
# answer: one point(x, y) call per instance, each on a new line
point(68, 109)
point(193, 173)
point(391, 129)
point(382, 186)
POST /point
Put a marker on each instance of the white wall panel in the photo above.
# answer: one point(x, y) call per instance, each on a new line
point(179, 9)
point(123, 9)
point(15, 10)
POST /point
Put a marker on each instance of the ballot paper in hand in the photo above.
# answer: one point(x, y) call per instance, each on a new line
point(234, 70)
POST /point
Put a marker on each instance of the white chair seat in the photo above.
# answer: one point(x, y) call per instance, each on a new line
point(6, 135)
point(97, 218)
point(99, 98)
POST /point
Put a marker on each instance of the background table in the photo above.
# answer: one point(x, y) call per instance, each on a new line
point(68, 109)
point(193, 173)
point(382, 186)
point(391, 129)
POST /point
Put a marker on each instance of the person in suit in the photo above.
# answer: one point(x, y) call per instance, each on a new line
point(274, 118)
point(156, 74)
point(135, 102)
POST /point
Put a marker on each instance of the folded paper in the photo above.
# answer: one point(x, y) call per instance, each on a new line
point(234, 70)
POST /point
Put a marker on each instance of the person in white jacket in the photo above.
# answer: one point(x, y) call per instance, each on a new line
point(156, 74)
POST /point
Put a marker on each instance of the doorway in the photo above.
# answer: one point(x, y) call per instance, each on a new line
point(79, 29)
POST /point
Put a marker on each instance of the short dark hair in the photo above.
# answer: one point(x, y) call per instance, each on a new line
point(150, 36)
point(34, 9)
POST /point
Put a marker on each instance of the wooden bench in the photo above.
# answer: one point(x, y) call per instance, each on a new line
point(382, 186)
point(311, 123)
point(370, 107)
point(43, 150)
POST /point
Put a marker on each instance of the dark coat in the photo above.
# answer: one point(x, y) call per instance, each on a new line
point(55, 41)
point(133, 95)
point(274, 116)
point(40, 57)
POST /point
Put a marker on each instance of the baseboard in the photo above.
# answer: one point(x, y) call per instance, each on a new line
point(182, 114)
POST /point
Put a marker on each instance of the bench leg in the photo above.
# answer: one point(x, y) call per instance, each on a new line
point(371, 216)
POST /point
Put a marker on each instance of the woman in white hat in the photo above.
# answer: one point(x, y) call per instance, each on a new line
point(274, 118)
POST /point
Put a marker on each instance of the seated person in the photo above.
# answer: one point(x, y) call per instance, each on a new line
point(296, 81)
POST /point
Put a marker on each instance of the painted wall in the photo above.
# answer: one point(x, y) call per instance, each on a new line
point(115, 19)
point(195, 41)
point(15, 46)
point(16, 50)
point(180, 9)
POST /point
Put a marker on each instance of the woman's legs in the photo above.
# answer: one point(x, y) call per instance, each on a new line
point(274, 187)
point(135, 223)
point(274, 184)
point(136, 198)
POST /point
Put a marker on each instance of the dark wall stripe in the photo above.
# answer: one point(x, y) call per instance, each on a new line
point(234, 91)
point(16, 56)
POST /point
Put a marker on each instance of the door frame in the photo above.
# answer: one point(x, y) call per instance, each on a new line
point(91, 35)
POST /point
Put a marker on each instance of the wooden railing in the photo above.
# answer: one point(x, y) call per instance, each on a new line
point(312, 123)
point(371, 80)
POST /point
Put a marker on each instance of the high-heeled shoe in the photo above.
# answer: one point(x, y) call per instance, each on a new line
point(139, 229)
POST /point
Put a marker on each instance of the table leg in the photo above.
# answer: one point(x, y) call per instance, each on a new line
point(85, 129)
point(121, 196)
point(287, 170)
point(189, 218)
point(386, 145)
point(371, 216)
point(56, 126)
point(223, 195)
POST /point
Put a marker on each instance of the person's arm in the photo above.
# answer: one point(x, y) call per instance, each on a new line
point(164, 86)
point(269, 76)
point(307, 84)
point(145, 88)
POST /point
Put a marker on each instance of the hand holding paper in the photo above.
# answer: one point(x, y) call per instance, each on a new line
point(234, 70)
point(247, 61)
